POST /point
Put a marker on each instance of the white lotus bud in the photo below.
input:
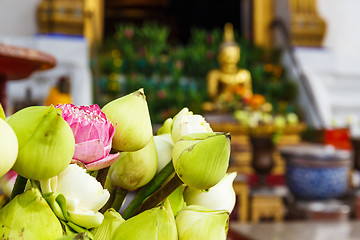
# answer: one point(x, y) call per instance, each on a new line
point(8, 147)
point(219, 197)
point(84, 195)
point(164, 146)
point(185, 122)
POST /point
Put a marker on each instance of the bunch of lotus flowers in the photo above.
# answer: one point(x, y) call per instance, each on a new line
point(75, 165)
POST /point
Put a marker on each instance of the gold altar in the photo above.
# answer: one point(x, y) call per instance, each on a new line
point(241, 150)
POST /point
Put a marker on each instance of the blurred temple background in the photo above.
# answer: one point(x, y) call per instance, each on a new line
point(282, 76)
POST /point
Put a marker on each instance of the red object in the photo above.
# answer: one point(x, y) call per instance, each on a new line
point(338, 137)
point(271, 180)
point(18, 63)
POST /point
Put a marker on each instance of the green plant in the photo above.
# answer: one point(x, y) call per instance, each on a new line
point(175, 75)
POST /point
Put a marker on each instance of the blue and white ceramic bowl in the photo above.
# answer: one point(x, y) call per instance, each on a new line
point(316, 171)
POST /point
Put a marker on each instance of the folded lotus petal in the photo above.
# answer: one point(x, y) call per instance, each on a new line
point(49, 185)
point(87, 219)
point(185, 122)
point(107, 132)
point(102, 163)
point(94, 132)
point(102, 131)
point(107, 149)
point(72, 203)
point(89, 151)
point(57, 202)
point(111, 134)
point(84, 132)
point(194, 124)
point(87, 190)
point(77, 162)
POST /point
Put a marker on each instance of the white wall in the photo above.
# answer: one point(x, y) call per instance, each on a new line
point(18, 17)
point(333, 71)
point(17, 27)
point(343, 28)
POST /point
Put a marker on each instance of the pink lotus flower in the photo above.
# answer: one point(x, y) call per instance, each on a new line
point(7, 182)
point(93, 134)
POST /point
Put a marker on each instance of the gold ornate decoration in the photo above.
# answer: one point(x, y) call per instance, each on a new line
point(263, 15)
point(72, 17)
point(61, 16)
point(222, 82)
point(307, 27)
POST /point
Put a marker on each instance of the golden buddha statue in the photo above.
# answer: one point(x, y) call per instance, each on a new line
point(225, 80)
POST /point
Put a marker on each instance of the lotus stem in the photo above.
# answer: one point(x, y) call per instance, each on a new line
point(19, 186)
point(112, 190)
point(119, 198)
point(101, 176)
point(160, 194)
point(149, 189)
point(3, 201)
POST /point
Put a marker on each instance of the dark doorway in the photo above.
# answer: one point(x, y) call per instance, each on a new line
point(180, 15)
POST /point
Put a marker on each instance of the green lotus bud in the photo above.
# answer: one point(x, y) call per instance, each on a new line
point(131, 114)
point(28, 216)
point(111, 222)
point(279, 121)
point(200, 223)
point(164, 146)
point(267, 118)
point(293, 119)
point(219, 197)
point(242, 116)
point(201, 159)
point(153, 224)
point(8, 147)
point(46, 142)
point(135, 169)
point(166, 127)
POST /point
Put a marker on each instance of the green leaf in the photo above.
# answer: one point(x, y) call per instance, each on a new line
point(57, 202)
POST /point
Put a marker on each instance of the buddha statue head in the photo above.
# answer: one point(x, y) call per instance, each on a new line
point(229, 51)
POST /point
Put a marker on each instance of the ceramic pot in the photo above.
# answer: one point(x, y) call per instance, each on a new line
point(315, 172)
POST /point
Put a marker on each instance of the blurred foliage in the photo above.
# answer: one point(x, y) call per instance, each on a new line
point(174, 76)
